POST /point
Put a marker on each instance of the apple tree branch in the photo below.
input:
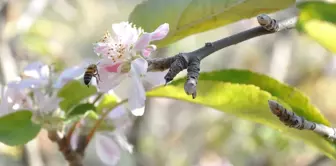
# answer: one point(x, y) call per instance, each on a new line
point(191, 60)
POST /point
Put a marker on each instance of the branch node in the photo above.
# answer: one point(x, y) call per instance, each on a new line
point(289, 118)
point(178, 65)
point(192, 77)
point(208, 44)
point(190, 87)
point(268, 23)
point(292, 120)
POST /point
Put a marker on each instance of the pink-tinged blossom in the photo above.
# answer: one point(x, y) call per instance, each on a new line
point(122, 56)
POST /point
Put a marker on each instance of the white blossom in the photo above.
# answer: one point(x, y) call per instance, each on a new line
point(123, 58)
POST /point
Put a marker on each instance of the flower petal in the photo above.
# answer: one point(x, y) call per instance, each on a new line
point(122, 141)
point(115, 68)
point(45, 72)
point(143, 41)
point(117, 112)
point(139, 67)
point(101, 48)
point(160, 32)
point(5, 106)
point(148, 50)
point(155, 78)
point(110, 66)
point(107, 150)
point(38, 96)
point(120, 118)
point(32, 69)
point(17, 97)
point(138, 111)
point(46, 104)
point(126, 32)
point(68, 75)
point(32, 83)
point(137, 95)
point(109, 80)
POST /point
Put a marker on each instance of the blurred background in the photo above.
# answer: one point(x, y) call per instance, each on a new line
point(173, 133)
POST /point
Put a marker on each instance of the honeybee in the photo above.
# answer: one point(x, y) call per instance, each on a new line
point(91, 71)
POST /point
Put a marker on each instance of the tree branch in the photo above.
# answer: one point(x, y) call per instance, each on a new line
point(74, 158)
point(292, 120)
point(191, 60)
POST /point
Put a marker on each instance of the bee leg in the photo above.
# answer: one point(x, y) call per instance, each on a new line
point(97, 80)
point(98, 77)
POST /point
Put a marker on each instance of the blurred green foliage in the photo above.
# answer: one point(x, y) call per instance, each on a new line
point(318, 20)
point(195, 16)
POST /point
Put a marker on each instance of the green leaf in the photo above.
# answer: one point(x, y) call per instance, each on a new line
point(318, 20)
point(81, 109)
point(17, 128)
point(108, 102)
point(89, 114)
point(73, 93)
point(187, 17)
point(246, 94)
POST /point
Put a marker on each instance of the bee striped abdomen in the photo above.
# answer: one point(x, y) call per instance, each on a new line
point(89, 73)
point(87, 77)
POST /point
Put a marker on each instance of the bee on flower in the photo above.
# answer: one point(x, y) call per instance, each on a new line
point(123, 54)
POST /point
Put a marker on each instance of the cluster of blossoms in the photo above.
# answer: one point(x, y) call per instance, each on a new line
point(122, 62)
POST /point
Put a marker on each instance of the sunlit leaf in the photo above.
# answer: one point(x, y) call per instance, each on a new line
point(74, 92)
point(187, 17)
point(107, 103)
point(17, 128)
point(246, 94)
point(318, 20)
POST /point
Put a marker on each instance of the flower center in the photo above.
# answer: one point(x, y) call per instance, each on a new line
point(125, 67)
point(117, 51)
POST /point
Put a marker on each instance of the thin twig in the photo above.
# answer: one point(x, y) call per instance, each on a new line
point(292, 120)
point(191, 60)
point(73, 158)
point(97, 98)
